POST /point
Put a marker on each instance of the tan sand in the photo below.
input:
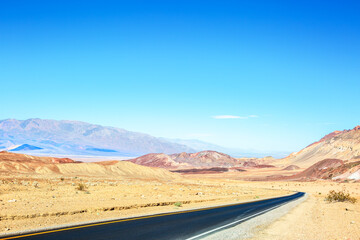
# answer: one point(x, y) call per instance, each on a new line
point(29, 202)
point(316, 219)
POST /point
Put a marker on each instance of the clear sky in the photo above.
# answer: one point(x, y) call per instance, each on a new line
point(266, 75)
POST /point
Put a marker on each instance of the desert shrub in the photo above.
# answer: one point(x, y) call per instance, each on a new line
point(178, 204)
point(340, 196)
point(81, 187)
point(62, 179)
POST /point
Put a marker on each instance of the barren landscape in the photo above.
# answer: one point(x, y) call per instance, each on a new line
point(42, 192)
point(29, 202)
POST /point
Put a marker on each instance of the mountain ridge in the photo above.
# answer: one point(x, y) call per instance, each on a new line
point(344, 145)
point(80, 138)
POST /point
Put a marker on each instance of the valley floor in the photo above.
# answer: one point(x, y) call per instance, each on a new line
point(37, 202)
point(43, 201)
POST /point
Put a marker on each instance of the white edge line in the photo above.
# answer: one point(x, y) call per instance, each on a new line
point(229, 224)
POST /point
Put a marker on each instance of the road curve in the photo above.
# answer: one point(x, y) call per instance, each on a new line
point(191, 224)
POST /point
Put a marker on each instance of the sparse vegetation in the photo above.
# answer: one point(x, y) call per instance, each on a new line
point(81, 187)
point(178, 204)
point(340, 196)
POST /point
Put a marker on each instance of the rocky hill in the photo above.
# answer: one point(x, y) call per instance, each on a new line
point(24, 158)
point(343, 145)
point(159, 160)
point(203, 159)
point(329, 169)
point(14, 163)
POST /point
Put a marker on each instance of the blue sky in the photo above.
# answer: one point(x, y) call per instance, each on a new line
point(285, 73)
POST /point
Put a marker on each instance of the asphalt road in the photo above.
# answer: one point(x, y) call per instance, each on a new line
point(192, 224)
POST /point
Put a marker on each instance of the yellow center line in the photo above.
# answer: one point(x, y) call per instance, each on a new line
point(126, 220)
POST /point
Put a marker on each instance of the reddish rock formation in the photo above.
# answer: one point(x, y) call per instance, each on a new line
point(325, 169)
point(23, 158)
point(160, 160)
point(204, 159)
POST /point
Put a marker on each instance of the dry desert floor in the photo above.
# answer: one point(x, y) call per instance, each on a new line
point(33, 202)
point(37, 202)
point(315, 218)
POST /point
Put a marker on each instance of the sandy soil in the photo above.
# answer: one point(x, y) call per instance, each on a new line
point(29, 202)
point(316, 218)
point(37, 201)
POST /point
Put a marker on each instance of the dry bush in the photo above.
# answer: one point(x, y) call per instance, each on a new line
point(340, 196)
point(81, 187)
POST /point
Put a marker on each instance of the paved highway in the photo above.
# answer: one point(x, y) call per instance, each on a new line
point(192, 224)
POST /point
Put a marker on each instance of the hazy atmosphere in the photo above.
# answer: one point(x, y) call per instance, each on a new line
point(260, 75)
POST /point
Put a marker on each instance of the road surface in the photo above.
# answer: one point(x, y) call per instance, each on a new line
point(191, 224)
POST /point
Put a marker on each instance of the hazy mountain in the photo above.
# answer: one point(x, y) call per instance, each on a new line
point(234, 152)
point(195, 144)
point(79, 138)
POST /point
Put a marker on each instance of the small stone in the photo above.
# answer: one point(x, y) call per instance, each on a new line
point(12, 200)
point(352, 222)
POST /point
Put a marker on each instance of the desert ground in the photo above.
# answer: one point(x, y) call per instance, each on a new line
point(29, 202)
point(42, 192)
point(315, 218)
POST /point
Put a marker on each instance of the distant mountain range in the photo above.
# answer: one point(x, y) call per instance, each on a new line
point(39, 136)
point(44, 137)
point(234, 152)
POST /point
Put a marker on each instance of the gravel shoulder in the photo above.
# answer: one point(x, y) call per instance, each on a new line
point(316, 219)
